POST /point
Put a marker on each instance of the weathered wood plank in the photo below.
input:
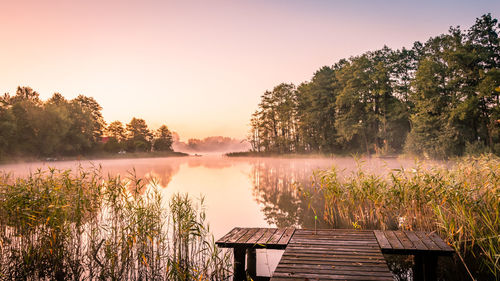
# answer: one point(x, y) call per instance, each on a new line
point(336, 242)
point(256, 236)
point(319, 270)
point(329, 231)
point(276, 236)
point(331, 251)
point(266, 237)
point(335, 263)
point(416, 241)
point(370, 268)
point(311, 257)
point(427, 241)
point(331, 276)
point(393, 240)
point(229, 241)
point(243, 239)
point(331, 257)
point(333, 246)
point(438, 241)
point(407, 244)
point(382, 240)
point(286, 236)
point(322, 255)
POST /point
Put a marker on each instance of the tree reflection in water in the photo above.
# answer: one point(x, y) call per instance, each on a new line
point(281, 186)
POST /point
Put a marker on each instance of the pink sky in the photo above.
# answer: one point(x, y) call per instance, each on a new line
point(200, 66)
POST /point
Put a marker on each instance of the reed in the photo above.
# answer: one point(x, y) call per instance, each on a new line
point(462, 203)
point(80, 225)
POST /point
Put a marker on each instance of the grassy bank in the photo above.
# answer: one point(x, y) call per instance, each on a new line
point(462, 203)
point(79, 225)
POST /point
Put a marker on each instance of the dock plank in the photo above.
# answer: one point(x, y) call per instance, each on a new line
point(332, 254)
point(427, 241)
point(419, 245)
point(256, 236)
point(393, 240)
point(407, 244)
point(243, 239)
point(230, 241)
point(285, 238)
point(382, 240)
point(277, 236)
point(440, 242)
point(266, 237)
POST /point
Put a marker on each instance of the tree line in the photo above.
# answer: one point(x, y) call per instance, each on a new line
point(61, 127)
point(211, 144)
point(439, 98)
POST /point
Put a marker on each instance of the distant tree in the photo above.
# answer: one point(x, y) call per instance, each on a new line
point(87, 125)
point(138, 135)
point(276, 121)
point(7, 130)
point(316, 111)
point(53, 124)
point(163, 139)
point(25, 107)
point(431, 133)
point(26, 94)
point(115, 130)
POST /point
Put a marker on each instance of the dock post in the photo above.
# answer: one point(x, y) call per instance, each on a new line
point(419, 268)
point(430, 265)
point(252, 262)
point(239, 264)
point(425, 267)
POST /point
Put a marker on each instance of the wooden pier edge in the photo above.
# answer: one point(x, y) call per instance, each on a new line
point(333, 253)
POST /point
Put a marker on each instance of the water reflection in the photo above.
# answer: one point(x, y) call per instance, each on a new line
point(277, 188)
point(258, 192)
point(284, 188)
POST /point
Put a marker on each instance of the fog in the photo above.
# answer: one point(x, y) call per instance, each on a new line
point(210, 145)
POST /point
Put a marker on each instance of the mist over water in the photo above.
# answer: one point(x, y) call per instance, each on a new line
point(245, 192)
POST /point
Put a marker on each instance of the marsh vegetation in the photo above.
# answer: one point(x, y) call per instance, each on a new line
point(79, 225)
point(461, 203)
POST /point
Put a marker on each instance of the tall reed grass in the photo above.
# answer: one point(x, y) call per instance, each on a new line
point(461, 202)
point(80, 225)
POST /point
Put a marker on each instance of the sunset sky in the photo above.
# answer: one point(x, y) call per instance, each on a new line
point(200, 66)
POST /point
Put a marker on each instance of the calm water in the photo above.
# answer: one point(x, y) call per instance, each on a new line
point(246, 192)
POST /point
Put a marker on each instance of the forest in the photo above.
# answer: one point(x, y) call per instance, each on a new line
point(437, 99)
point(30, 127)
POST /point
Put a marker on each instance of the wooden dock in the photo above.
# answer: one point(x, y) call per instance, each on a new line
point(334, 254)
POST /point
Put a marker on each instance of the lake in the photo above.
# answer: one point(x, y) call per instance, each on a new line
point(246, 192)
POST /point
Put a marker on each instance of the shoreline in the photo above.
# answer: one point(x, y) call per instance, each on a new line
point(312, 155)
point(100, 156)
